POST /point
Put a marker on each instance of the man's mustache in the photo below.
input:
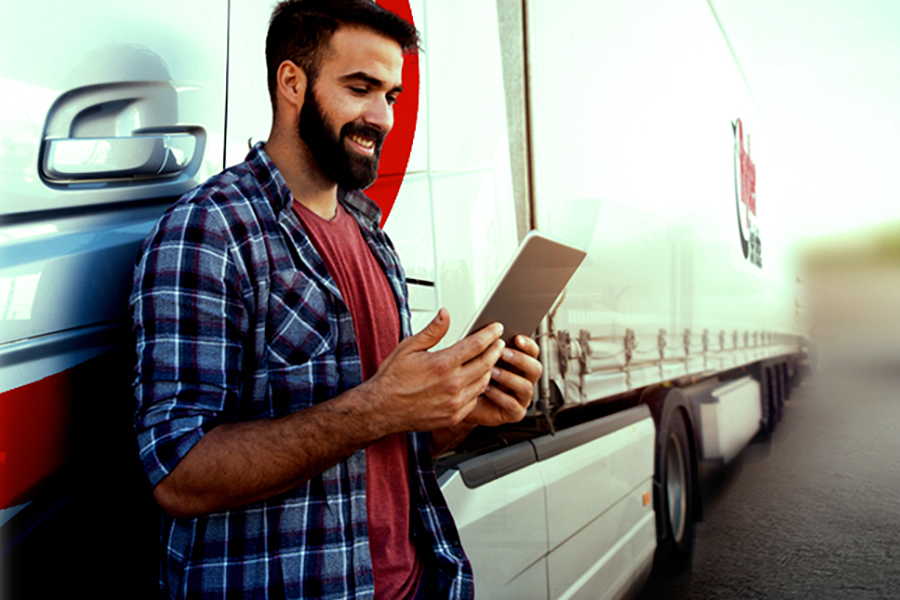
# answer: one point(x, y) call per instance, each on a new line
point(366, 131)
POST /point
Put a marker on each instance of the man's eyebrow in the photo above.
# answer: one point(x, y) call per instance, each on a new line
point(373, 81)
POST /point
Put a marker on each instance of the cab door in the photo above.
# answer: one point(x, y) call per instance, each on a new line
point(110, 111)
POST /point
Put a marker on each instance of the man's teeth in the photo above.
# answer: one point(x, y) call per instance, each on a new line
point(362, 141)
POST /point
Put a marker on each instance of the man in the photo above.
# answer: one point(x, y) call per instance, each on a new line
point(287, 433)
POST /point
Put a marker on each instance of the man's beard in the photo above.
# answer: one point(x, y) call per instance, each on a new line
point(350, 170)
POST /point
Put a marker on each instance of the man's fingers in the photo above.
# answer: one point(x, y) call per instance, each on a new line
point(469, 400)
point(511, 406)
point(476, 344)
point(433, 333)
point(481, 365)
point(521, 387)
point(527, 345)
point(470, 379)
point(524, 364)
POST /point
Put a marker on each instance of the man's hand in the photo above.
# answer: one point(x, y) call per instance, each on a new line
point(418, 390)
point(507, 399)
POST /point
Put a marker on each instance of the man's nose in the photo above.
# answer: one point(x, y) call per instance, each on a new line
point(380, 113)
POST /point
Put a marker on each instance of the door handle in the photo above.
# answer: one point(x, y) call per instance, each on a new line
point(139, 155)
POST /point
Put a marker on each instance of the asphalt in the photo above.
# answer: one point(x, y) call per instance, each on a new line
point(815, 511)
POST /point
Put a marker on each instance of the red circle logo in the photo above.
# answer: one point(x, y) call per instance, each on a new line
point(398, 144)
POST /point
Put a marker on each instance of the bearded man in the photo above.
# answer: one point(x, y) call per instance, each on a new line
point(286, 415)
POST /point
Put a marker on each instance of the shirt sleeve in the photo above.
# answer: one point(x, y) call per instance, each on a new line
point(189, 322)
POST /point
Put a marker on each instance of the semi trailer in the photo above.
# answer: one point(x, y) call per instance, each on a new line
point(623, 128)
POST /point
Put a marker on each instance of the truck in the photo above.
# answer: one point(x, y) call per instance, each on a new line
point(623, 128)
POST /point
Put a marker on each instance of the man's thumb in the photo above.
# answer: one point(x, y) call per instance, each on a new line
point(433, 333)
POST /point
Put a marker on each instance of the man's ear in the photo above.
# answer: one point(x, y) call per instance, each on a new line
point(291, 80)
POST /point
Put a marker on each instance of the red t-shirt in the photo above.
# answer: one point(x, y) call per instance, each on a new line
point(372, 306)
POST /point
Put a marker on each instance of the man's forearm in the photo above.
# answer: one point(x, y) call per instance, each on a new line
point(237, 464)
point(241, 463)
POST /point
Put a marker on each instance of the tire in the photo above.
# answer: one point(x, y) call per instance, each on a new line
point(771, 399)
point(675, 477)
point(788, 380)
point(779, 389)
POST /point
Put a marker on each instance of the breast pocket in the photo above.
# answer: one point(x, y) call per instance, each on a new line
point(297, 325)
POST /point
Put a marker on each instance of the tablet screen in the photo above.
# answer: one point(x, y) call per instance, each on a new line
point(534, 278)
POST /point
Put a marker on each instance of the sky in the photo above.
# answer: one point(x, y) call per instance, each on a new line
point(825, 75)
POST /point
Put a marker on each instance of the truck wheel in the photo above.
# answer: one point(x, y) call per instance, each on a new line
point(779, 389)
point(771, 399)
point(788, 380)
point(673, 554)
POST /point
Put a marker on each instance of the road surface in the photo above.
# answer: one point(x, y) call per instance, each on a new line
point(815, 511)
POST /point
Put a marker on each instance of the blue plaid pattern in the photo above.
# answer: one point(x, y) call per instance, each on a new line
point(236, 318)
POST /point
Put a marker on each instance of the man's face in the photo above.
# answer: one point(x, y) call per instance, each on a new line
point(348, 110)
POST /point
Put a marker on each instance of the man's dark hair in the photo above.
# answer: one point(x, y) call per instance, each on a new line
point(300, 30)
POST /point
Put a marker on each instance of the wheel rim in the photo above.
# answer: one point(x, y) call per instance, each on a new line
point(675, 487)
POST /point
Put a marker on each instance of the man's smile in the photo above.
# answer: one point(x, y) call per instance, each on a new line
point(362, 144)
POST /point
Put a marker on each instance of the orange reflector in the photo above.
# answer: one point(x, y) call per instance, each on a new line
point(646, 498)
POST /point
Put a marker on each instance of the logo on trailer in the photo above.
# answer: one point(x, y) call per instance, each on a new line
point(745, 196)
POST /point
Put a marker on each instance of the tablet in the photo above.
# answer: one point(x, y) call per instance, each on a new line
point(532, 280)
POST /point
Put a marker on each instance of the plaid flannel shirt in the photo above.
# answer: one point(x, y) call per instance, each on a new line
point(236, 318)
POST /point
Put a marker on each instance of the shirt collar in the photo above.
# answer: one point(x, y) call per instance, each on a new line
point(279, 194)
